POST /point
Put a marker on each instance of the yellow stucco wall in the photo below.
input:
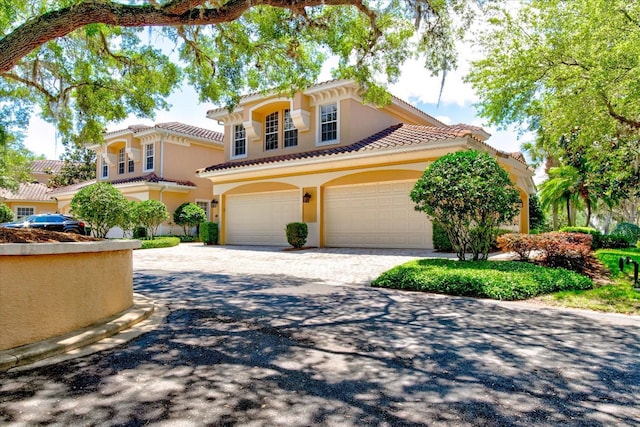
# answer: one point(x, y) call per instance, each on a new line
point(47, 295)
point(38, 207)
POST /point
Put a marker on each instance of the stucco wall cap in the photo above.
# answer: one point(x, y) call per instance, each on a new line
point(67, 247)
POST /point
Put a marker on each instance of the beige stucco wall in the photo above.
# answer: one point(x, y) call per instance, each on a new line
point(38, 207)
point(49, 289)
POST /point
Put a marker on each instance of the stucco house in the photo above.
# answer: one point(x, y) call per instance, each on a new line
point(33, 197)
point(344, 167)
point(155, 163)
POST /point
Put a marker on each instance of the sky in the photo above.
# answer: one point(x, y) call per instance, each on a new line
point(416, 86)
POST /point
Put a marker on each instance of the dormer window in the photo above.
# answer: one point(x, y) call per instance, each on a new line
point(271, 132)
point(239, 142)
point(328, 124)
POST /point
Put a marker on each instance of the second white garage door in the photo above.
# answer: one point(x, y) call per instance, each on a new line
point(377, 215)
point(260, 218)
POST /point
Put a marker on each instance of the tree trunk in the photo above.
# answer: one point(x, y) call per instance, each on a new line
point(569, 213)
point(554, 215)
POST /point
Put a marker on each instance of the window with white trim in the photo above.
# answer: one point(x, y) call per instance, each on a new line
point(121, 158)
point(239, 141)
point(271, 132)
point(204, 204)
point(328, 123)
point(131, 166)
point(149, 157)
point(22, 211)
point(290, 132)
point(104, 168)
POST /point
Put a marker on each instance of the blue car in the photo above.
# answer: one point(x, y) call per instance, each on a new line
point(52, 222)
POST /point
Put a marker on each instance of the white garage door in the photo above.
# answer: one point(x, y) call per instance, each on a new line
point(378, 215)
point(260, 218)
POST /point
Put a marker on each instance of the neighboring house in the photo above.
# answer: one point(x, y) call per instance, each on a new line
point(343, 167)
point(155, 162)
point(33, 197)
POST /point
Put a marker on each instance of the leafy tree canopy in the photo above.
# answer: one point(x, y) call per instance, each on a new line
point(470, 207)
point(102, 206)
point(568, 69)
point(151, 213)
point(6, 214)
point(85, 63)
point(79, 166)
point(15, 161)
point(189, 215)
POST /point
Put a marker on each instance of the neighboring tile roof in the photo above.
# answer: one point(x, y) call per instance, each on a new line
point(46, 166)
point(151, 177)
point(175, 127)
point(27, 191)
point(393, 137)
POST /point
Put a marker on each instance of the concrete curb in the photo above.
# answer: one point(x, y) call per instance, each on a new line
point(142, 308)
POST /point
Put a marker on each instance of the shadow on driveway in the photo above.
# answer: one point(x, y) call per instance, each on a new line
point(278, 350)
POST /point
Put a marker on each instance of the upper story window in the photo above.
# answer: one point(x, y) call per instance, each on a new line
point(290, 132)
point(271, 132)
point(239, 148)
point(131, 166)
point(328, 123)
point(104, 168)
point(121, 159)
point(149, 157)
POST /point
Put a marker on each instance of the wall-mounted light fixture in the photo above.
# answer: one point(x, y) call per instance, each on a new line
point(214, 203)
point(306, 198)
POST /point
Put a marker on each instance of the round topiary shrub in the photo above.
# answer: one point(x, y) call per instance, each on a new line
point(629, 231)
point(297, 233)
point(6, 214)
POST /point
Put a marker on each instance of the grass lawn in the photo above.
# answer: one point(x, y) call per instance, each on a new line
point(511, 280)
point(619, 297)
point(502, 280)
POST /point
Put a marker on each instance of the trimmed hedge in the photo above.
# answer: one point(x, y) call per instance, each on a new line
point(596, 236)
point(629, 231)
point(501, 280)
point(160, 242)
point(209, 233)
point(297, 233)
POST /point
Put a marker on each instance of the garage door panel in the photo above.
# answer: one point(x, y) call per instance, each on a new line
point(261, 218)
point(375, 215)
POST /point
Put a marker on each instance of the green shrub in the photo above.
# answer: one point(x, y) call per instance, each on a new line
point(596, 242)
point(501, 280)
point(440, 239)
point(140, 232)
point(160, 242)
point(615, 241)
point(6, 214)
point(186, 239)
point(297, 233)
point(209, 233)
point(630, 231)
point(189, 215)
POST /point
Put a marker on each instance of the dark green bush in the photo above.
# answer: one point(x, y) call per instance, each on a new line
point(139, 232)
point(440, 239)
point(160, 242)
point(209, 233)
point(630, 231)
point(501, 280)
point(596, 243)
point(616, 241)
point(297, 234)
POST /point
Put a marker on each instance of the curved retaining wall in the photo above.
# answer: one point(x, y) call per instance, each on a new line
point(50, 289)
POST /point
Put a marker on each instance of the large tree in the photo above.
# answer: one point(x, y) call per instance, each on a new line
point(569, 70)
point(85, 63)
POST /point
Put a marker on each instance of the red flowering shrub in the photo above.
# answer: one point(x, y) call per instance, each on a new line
point(521, 244)
point(565, 250)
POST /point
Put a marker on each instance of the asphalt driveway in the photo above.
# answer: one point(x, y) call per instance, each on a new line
point(263, 337)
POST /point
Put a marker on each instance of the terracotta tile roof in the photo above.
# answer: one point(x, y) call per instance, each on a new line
point(400, 135)
point(27, 191)
point(47, 166)
point(175, 127)
point(152, 177)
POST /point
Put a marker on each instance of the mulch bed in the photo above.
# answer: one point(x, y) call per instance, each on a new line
point(31, 235)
